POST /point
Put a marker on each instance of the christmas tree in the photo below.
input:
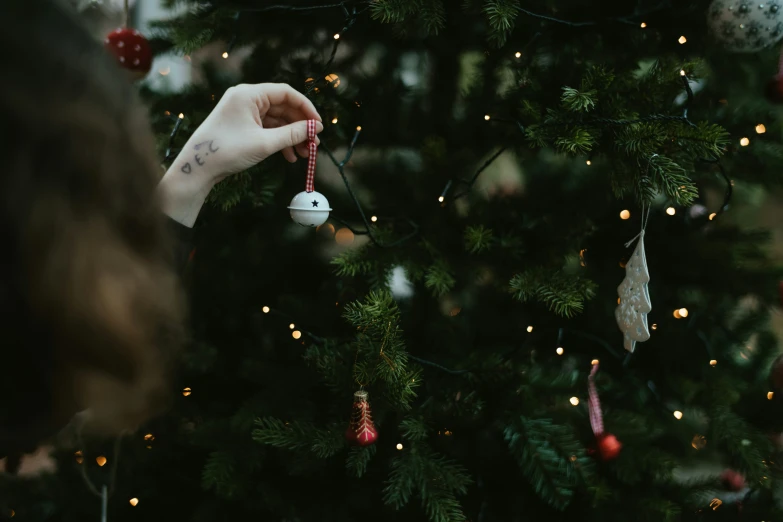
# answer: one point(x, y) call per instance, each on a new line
point(487, 163)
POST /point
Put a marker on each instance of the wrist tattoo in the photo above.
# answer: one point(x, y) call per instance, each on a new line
point(204, 149)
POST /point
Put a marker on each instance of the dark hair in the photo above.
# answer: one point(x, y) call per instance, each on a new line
point(91, 309)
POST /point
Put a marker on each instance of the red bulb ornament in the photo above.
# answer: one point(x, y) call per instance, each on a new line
point(733, 480)
point(608, 446)
point(132, 50)
point(361, 430)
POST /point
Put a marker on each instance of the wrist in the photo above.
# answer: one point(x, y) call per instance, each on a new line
point(182, 195)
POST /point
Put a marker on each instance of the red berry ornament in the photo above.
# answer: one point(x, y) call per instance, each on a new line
point(608, 446)
point(132, 51)
point(733, 480)
point(361, 430)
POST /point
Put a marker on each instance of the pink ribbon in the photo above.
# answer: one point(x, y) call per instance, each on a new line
point(312, 147)
point(594, 404)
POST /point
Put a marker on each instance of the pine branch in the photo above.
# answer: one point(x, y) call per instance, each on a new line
point(439, 278)
point(562, 292)
point(478, 239)
point(358, 458)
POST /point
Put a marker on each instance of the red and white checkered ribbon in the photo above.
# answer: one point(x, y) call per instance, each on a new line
point(312, 148)
point(594, 404)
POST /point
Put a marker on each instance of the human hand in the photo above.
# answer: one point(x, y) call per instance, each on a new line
point(249, 124)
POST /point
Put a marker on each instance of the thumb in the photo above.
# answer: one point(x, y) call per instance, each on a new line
point(278, 138)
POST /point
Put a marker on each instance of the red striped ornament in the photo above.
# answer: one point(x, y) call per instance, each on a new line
point(608, 445)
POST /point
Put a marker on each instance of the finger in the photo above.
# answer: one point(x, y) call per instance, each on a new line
point(288, 154)
point(302, 150)
point(280, 94)
point(278, 138)
point(272, 122)
point(288, 113)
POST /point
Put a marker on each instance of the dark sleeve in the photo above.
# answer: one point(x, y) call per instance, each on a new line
point(183, 243)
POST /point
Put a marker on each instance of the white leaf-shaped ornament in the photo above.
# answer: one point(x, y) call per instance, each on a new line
point(634, 305)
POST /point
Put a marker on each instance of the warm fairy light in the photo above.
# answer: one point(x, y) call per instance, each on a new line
point(149, 436)
point(333, 79)
point(166, 113)
point(265, 309)
point(337, 36)
point(358, 128)
point(671, 211)
point(292, 326)
point(181, 116)
point(518, 54)
point(101, 460)
point(744, 142)
point(374, 219)
point(296, 334)
point(594, 362)
point(486, 117)
point(225, 54)
point(715, 503)
point(441, 198)
point(642, 25)
point(588, 162)
point(683, 312)
point(574, 401)
point(334, 120)
point(529, 329)
point(399, 446)
point(677, 414)
point(770, 395)
point(186, 392)
point(618, 300)
point(713, 362)
point(344, 237)
point(79, 457)
point(134, 501)
point(625, 214)
point(676, 314)
point(699, 442)
point(760, 128)
point(559, 350)
point(682, 39)
point(712, 216)
point(682, 72)
point(654, 326)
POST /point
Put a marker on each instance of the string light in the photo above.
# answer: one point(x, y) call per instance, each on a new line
point(149, 436)
point(715, 503)
point(682, 40)
point(296, 334)
point(186, 392)
point(181, 116)
point(677, 414)
point(682, 72)
point(588, 162)
point(518, 54)
point(134, 502)
point(698, 442)
point(654, 326)
point(399, 446)
point(344, 236)
point(760, 128)
point(625, 214)
point(333, 79)
point(358, 128)
point(440, 199)
point(594, 362)
point(683, 312)
point(671, 211)
point(265, 309)
point(292, 326)
point(225, 54)
point(770, 395)
point(374, 219)
point(337, 36)
point(643, 25)
point(559, 350)
point(486, 117)
point(745, 142)
point(713, 362)
point(80, 456)
point(101, 460)
point(529, 329)
point(712, 216)
point(574, 401)
point(334, 120)
point(447, 433)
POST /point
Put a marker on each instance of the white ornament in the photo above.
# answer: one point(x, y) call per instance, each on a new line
point(309, 209)
point(634, 305)
point(744, 26)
